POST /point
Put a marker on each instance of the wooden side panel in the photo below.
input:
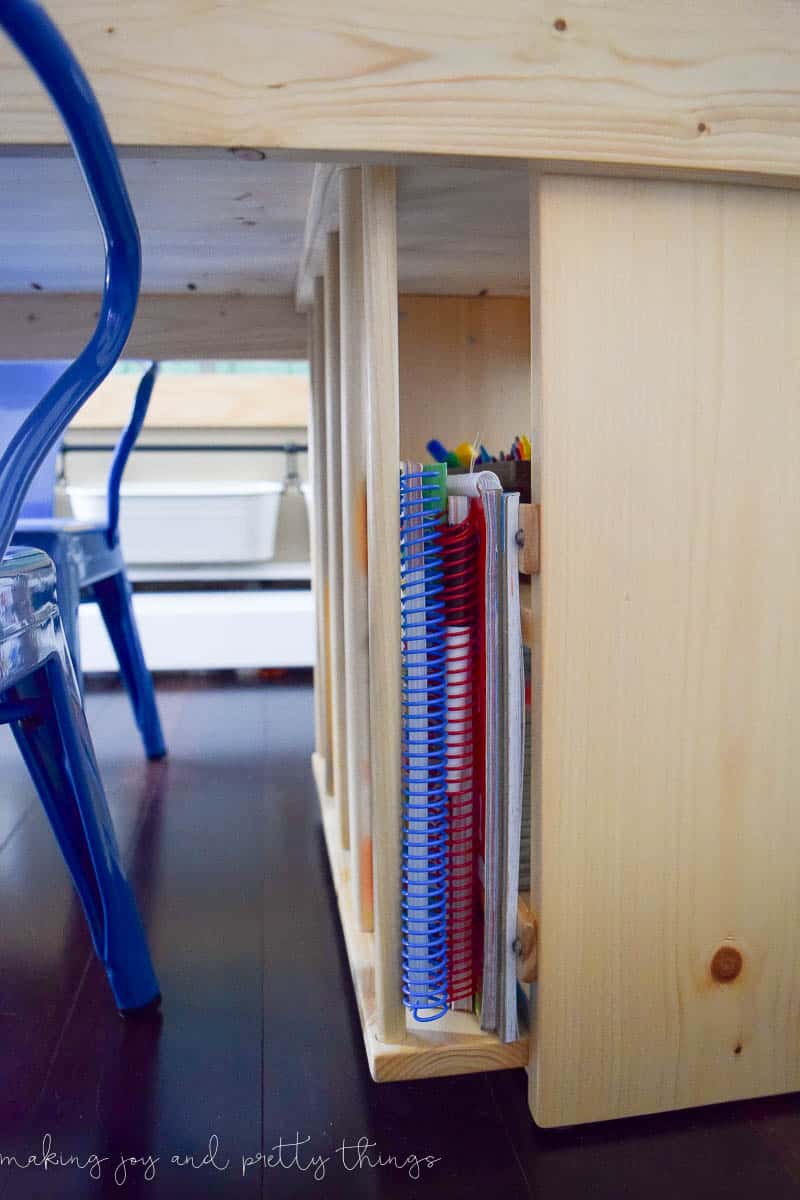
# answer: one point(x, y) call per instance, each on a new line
point(709, 84)
point(333, 443)
point(319, 522)
point(383, 545)
point(464, 369)
point(667, 876)
point(166, 326)
point(354, 543)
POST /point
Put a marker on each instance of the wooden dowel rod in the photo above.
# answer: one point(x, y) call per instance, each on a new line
point(319, 527)
point(383, 506)
point(354, 540)
point(333, 441)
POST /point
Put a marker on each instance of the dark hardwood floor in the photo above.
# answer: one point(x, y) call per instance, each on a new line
point(259, 1038)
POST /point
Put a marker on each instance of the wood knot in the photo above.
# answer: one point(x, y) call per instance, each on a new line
point(726, 964)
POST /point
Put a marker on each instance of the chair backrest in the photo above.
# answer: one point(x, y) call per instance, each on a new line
point(125, 444)
point(39, 41)
point(22, 385)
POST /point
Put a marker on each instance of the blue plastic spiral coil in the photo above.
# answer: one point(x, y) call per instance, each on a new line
point(424, 902)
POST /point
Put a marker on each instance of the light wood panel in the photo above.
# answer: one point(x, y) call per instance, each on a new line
point(204, 401)
point(165, 327)
point(461, 231)
point(668, 379)
point(707, 84)
point(354, 542)
point(333, 456)
point(383, 548)
point(210, 222)
point(464, 369)
point(531, 615)
point(319, 523)
point(453, 1046)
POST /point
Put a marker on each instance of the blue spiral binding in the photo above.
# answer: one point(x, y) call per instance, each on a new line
point(424, 902)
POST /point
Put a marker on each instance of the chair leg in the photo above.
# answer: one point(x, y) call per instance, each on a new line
point(114, 598)
point(57, 749)
point(69, 594)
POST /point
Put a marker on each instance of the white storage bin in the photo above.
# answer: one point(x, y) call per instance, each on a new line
point(187, 523)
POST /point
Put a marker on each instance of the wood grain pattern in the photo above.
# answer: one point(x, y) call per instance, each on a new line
point(708, 85)
point(166, 327)
point(333, 456)
point(464, 369)
point(211, 222)
point(319, 523)
point(354, 541)
point(461, 1049)
point(383, 549)
point(668, 379)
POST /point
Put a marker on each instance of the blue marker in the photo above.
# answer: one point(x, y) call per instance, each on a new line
point(437, 451)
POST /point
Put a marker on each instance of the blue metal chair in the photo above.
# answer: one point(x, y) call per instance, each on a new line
point(90, 567)
point(39, 694)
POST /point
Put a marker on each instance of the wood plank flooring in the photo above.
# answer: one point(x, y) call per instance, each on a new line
point(259, 1037)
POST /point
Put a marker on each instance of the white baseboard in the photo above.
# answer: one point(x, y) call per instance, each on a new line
point(205, 631)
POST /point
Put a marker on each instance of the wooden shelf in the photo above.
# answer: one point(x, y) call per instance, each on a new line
point(458, 1047)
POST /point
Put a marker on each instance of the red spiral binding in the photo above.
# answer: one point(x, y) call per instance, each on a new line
point(461, 550)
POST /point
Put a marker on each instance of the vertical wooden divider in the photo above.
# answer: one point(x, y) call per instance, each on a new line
point(333, 441)
point(354, 540)
point(383, 503)
point(319, 524)
point(535, 798)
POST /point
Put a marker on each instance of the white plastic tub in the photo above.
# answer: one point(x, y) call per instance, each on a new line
point(189, 523)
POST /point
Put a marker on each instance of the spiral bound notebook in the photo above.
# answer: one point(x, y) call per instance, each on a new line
point(461, 542)
point(425, 839)
point(462, 753)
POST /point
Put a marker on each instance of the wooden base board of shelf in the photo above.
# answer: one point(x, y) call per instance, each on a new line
point(457, 1046)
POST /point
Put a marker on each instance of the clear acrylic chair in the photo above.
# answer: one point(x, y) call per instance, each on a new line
point(39, 694)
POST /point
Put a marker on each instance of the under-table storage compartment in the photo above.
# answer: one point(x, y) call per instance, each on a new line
point(658, 391)
point(397, 360)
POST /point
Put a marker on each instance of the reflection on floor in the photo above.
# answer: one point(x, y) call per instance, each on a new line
point(259, 1039)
